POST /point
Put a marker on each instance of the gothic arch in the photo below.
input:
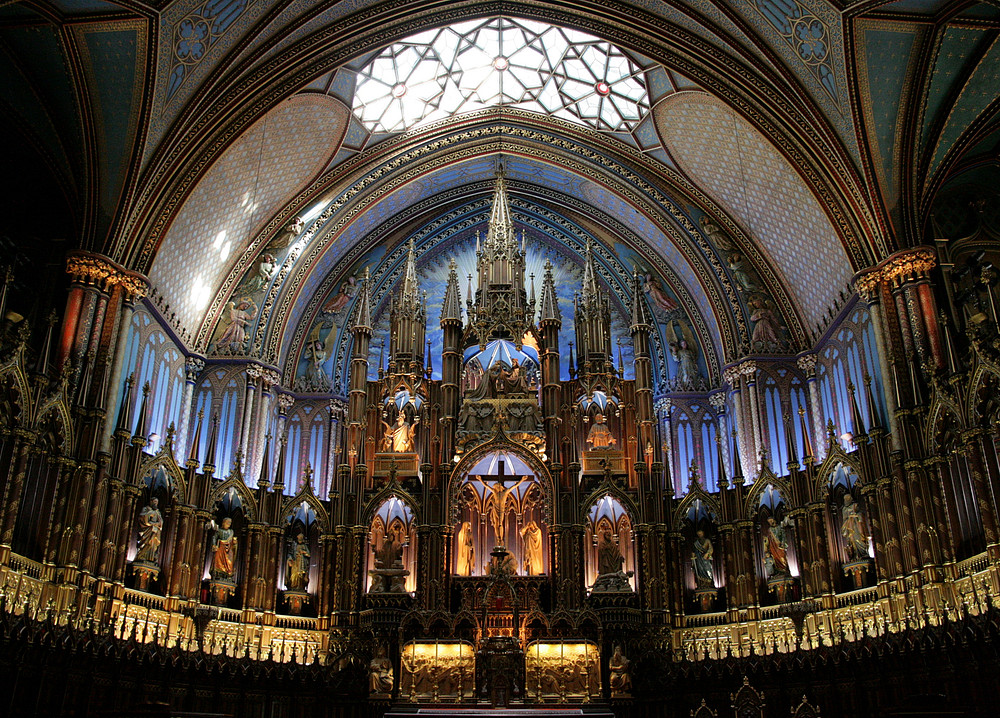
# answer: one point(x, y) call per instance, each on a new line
point(164, 459)
point(499, 442)
point(247, 500)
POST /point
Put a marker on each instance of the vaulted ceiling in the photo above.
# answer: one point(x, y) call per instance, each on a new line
point(790, 144)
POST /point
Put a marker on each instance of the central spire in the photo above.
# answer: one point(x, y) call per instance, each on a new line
point(501, 309)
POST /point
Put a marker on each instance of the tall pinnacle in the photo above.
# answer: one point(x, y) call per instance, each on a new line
point(409, 294)
point(501, 227)
point(640, 312)
point(549, 310)
point(363, 314)
point(451, 307)
point(590, 289)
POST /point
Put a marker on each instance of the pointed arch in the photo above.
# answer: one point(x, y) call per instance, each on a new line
point(306, 496)
point(247, 500)
point(164, 458)
point(765, 478)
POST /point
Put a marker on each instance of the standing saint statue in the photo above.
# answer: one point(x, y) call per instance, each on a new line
point(599, 435)
point(297, 564)
point(150, 529)
point(532, 537)
point(224, 552)
point(852, 529)
point(398, 438)
point(702, 554)
point(390, 552)
point(466, 550)
point(775, 548)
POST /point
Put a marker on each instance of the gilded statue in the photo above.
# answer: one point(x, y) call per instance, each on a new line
point(297, 564)
point(150, 530)
point(599, 436)
point(224, 546)
point(399, 437)
point(531, 535)
point(466, 550)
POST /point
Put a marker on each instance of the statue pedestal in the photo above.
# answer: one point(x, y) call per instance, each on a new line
point(222, 589)
point(145, 573)
point(296, 600)
point(388, 580)
point(857, 569)
point(705, 596)
point(780, 587)
point(405, 464)
point(617, 582)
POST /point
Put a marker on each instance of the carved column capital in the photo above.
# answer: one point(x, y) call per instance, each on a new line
point(193, 367)
point(807, 363)
point(100, 271)
point(270, 379)
point(905, 266)
point(731, 375)
point(285, 402)
point(718, 402)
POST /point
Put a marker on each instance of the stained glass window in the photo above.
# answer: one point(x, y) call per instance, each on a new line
point(501, 61)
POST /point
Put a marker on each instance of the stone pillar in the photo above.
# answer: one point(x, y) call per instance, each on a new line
point(254, 373)
point(193, 367)
point(749, 371)
point(807, 363)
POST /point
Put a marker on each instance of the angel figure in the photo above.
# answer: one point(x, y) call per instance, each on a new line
point(714, 232)
point(766, 332)
point(317, 351)
point(682, 349)
point(288, 234)
point(240, 315)
point(660, 299)
point(338, 302)
point(267, 267)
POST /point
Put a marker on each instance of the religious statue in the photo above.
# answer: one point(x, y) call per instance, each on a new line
point(531, 535)
point(297, 564)
point(702, 554)
point(609, 558)
point(744, 275)
point(852, 529)
point(620, 680)
point(398, 437)
point(289, 233)
point(513, 380)
point(599, 436)
point(466, 550)
point(390, 553)
point(498, 502)
point(317, 351)
point(660, 299)
point(234, 338)
point(338, 302)
point(715, 233)
point(224, 551)
point(766, 332)
point(682, 349)
point(775, 548)
point(150, 529)
point(380, 674)
point(267, 267)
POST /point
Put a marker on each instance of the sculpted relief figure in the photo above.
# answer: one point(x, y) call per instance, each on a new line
point(234, 338)
point(150, 529)
point(609, 557)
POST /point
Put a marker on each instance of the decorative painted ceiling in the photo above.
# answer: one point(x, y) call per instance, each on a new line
point(168, 125)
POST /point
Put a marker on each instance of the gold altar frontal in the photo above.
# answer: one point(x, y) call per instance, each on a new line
point(561, 671)
point(438, 671)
